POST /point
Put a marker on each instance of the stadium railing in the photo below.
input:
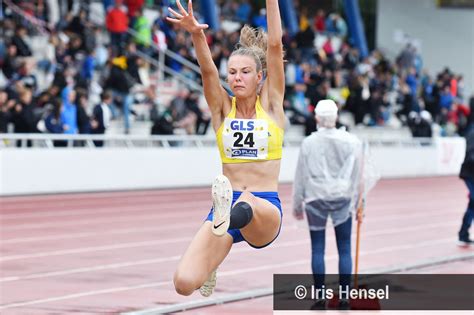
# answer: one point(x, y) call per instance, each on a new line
point(10, 141)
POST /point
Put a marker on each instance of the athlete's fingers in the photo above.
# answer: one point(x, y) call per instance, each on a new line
point(190, 7)
point(174, 21)
point(175, 13)
point(181, 9)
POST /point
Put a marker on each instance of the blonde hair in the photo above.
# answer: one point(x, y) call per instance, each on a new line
point(253, 43)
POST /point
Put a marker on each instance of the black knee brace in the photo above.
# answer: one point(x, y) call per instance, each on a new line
point(240, 215)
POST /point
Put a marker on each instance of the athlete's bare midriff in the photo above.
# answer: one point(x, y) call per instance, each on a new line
point(254, 176)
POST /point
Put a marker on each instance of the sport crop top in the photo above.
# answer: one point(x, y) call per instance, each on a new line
point(249, 140)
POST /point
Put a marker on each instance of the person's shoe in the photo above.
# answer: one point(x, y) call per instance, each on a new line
point(208, 287)
point(465, 241)
point(319, 305)
point(222, 202)
point(344, 305)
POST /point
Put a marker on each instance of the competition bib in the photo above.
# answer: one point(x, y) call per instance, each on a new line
point(245, 138)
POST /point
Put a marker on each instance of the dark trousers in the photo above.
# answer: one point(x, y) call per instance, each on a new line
point(343, 240)
point(469, 214)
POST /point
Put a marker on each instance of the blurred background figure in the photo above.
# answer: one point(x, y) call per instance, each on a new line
point(467, 174)
point(327, 185)
point(101, 116)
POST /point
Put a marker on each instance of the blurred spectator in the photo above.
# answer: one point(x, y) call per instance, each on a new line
point(23, 117)
point(88, 66)
point(164, 123)
point(203, 118)
point(5, 111)
point(120, 82)
point(159, 38)
point(244, 11)
point(406, 59)
point(83, 119)
point(458, 117)
point(358, 97)
point(19, 40)
point(319, 21)
point(143, 35)
point(321, 63)
point(117, 24)
point(101, 116)
point(305, 44)
point(337, 25)
point(54, 123)
point(107, 4)
point(69, 110)
point(260, 20)
point(134, 8)
point(11, 62)
point(420, 124)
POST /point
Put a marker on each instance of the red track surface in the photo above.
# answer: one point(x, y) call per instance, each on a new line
point(107, 253)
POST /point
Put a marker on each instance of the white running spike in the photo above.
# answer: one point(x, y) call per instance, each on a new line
point(208, 287)
point(222, 202)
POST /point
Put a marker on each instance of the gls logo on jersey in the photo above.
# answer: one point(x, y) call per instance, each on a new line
point(242, 125)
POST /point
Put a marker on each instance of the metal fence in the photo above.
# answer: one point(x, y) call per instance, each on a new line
point(29, 141)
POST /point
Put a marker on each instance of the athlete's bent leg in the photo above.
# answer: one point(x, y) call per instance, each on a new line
point(265, 223)
point(204, 255)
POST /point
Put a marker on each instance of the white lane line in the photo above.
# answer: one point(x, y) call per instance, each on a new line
point(221, 274)
point(103, 209)
point(122, 218)
point(171, 214)
point(368, 219)
point(262, 292)
point(123, 194)
point(89, 269)
point(94, 249)
point(134, 263)
point(142, 244)
point(95, 234)
point(87, 293)
point(87, 205)
point(172, 258)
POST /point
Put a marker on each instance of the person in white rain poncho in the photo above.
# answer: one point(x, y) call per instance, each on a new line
point(328, 184)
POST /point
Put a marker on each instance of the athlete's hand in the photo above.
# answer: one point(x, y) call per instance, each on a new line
point(186, 20)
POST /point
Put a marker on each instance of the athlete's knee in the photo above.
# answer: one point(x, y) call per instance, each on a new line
point(184, 284)
point(240, 215)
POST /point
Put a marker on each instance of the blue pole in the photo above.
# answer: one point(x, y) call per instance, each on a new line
point(209, 11)
point(288, 13)
point(356, 27)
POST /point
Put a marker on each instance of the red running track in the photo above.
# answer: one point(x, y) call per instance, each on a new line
point(106, 253)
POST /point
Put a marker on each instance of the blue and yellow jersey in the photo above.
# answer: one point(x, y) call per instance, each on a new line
point(249, 140)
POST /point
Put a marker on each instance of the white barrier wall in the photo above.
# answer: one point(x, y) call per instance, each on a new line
point(35, 171)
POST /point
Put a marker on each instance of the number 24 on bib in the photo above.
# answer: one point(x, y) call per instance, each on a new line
point(245, 138)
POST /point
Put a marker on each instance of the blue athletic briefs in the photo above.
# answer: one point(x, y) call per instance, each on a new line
point(271, 196)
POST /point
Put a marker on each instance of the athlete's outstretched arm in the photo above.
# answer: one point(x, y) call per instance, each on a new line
point(275, 81)
point(213, 91)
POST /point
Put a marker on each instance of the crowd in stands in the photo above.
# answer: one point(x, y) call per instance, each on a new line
point(78, 60)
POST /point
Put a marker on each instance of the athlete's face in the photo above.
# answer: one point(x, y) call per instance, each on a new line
point(242, 75)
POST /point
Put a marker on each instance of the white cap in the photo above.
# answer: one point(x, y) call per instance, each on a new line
point(327, 108)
